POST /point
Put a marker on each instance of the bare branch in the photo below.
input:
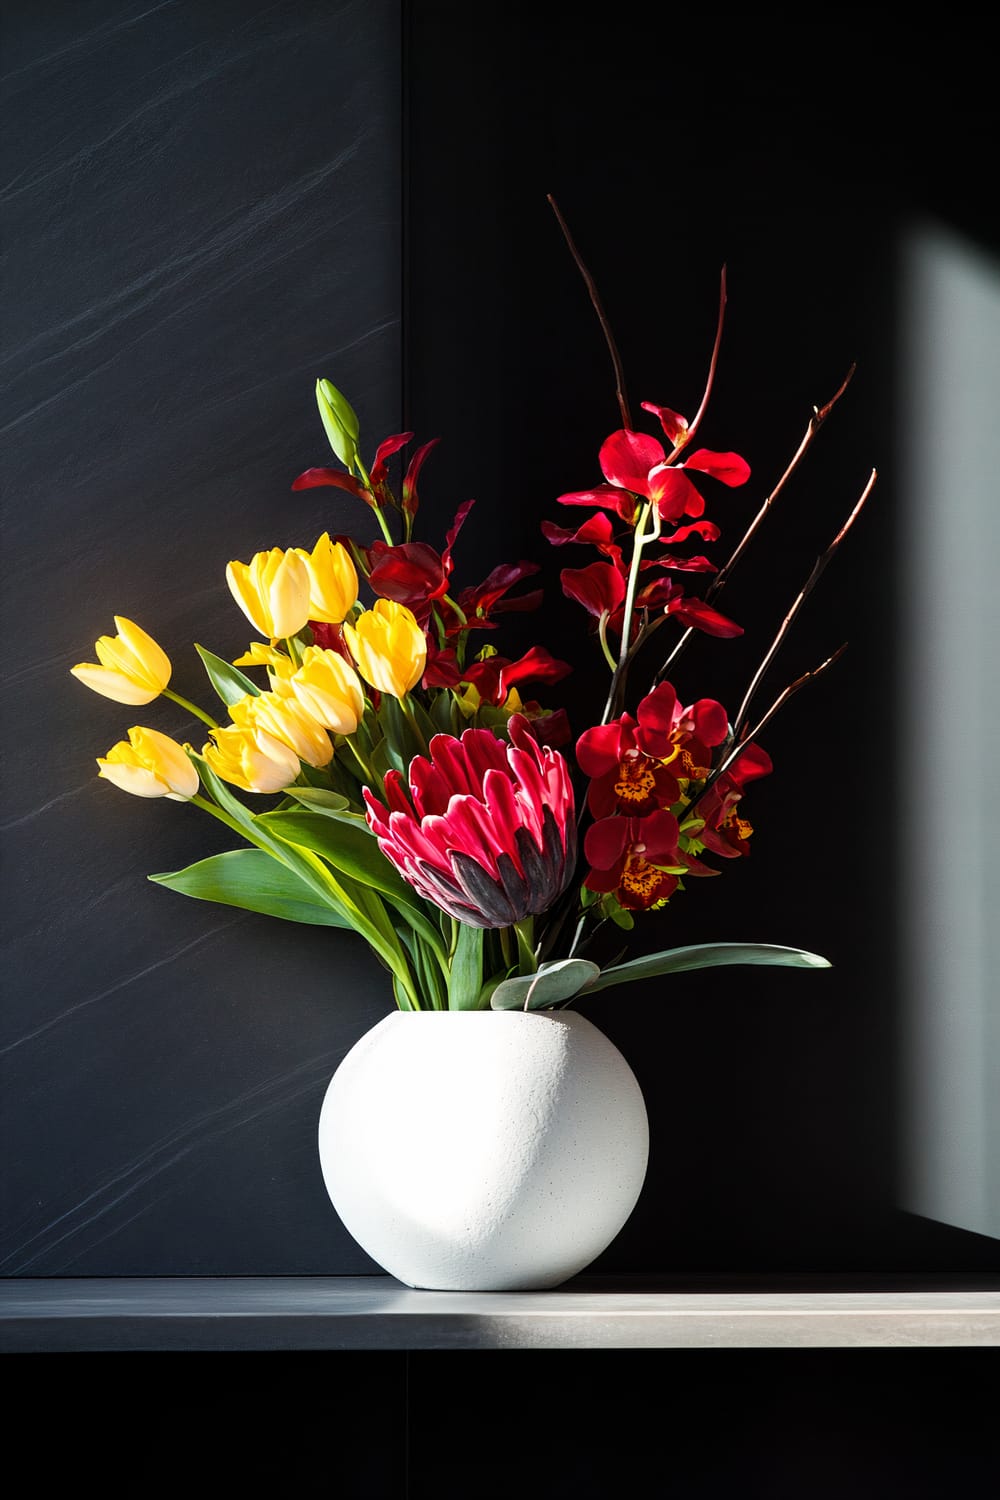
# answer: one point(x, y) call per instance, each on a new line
point(804, 592)
point(779, 702)
point(819, 416)
point(695, 423)
point(599, 309)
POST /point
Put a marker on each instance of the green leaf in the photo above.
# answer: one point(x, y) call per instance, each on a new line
point(552, 985)
point(706, 956)
point(350, 848)
point(228, 681)
point(466, 980)
point(255, 881)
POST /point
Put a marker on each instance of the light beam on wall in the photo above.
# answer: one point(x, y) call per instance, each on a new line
point(948, 740)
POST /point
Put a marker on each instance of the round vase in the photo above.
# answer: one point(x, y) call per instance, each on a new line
point(483, 1150)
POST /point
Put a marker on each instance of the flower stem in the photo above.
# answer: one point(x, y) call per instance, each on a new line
point(641, 537)
point(192, 708)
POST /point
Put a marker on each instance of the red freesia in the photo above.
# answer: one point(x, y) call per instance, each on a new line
point(485, 830)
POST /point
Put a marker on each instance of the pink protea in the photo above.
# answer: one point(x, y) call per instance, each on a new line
point(486, 830)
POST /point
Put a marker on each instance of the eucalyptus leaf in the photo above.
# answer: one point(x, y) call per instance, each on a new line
point(330, 804)
point(707, 956)
point(255, 881)
point(552, 985)
point(228, 681)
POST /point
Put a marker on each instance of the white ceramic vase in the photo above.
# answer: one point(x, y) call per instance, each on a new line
point(484, 1150)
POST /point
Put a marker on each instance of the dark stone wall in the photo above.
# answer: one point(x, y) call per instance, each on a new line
point(201, 215)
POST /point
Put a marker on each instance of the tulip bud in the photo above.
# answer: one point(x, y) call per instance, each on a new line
point(272, 590)
point(333, 580)
point(285, 719)
point(150, 765)
point(341, 422)
point(251, 759)
point(389, 647)
point(329, 690)
point(133, 668)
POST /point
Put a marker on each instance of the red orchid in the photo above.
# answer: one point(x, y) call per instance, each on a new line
point(635, 464)
point(625, 856)
point(634, 764)
point(725, 833)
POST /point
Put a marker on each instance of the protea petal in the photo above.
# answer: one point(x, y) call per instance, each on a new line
point(486, 830)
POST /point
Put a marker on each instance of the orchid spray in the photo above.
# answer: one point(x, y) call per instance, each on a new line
point(386, 770)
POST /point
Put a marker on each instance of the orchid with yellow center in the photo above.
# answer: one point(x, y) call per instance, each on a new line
point(333, 580)
point(389, 647)
point(133, 668)
point(272, 590)
point(150, 764)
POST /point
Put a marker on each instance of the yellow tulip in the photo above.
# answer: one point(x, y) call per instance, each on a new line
point(389, 647)
point(151, 764)
point(329, 690)
point(333, 580)
point(272, 590)
point(251, 759)
point(133, 668)
point(279, 666)
point(285, 719)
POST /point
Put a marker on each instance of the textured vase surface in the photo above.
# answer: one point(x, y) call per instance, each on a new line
point(484, 1150)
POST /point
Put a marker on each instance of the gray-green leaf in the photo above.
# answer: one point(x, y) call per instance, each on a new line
point(552, 985)
point(706, 956)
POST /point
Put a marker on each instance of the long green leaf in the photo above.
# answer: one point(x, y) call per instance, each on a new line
point(350, 848)
point(361, 906)
point(255, 881)
point(353, 851)
point(706, 956)
point(466, 978)
point(228, 681)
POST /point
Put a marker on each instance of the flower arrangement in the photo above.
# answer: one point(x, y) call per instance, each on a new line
point(385, 769)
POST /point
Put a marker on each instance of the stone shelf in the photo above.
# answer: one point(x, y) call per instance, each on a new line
point(589, 1312)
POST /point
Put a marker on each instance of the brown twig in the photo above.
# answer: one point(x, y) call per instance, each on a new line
point(782, 698)
point(623, 405)
point(786, 624)
point(819, 416)
point(695, 423)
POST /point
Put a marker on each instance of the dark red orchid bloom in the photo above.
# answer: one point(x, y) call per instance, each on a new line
point(413, 573)
point(625, 856)
point(636, 764)
point(479, 603)
point(377, 492)
point(725, 833)
point(635, 464)
point(494, 676)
